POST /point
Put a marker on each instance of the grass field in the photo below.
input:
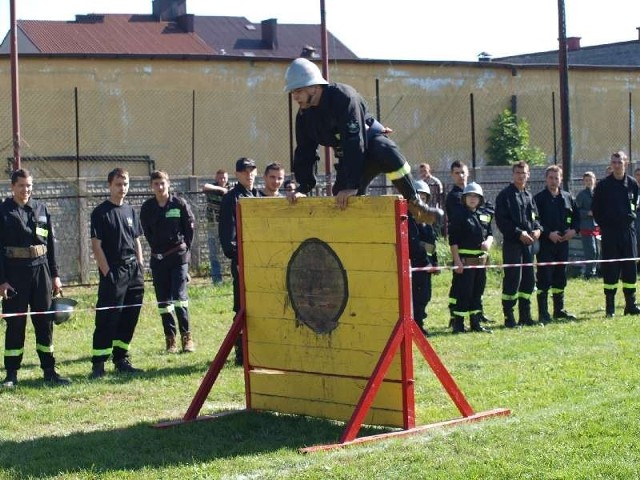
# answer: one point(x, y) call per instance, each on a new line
point(572, 388)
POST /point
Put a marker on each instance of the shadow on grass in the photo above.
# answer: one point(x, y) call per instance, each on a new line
point(142, 447)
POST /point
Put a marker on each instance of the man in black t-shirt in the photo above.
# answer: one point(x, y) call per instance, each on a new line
point(115, 232)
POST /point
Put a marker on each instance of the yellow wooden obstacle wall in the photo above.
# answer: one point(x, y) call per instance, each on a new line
point(294, 369)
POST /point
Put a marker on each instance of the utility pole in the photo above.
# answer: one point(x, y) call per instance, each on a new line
point(15, 98)
point(565, 119)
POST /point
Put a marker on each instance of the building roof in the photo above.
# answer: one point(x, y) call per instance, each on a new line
point(109, 34)
point(238, 36)
point(622, 54)
point(187, 35)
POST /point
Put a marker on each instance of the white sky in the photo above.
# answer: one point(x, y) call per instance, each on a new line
point(399, 29)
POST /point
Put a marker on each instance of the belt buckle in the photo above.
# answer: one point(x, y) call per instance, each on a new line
point(33, 251)
point(159, 256)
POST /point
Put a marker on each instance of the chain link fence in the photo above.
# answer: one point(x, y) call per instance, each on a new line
point(73, 138)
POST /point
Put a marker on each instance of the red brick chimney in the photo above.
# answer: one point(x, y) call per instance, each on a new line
point(573, 43)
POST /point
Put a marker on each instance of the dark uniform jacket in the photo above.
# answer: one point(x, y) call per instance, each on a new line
point(468, 230)
point(453, 203)
point(584, 199)
point(227, 226)
point(168, 227)
point(556, 214)
point(515, 213)
point(419, 235)
point(615, 203)
point(341, 121)
point(24, 227)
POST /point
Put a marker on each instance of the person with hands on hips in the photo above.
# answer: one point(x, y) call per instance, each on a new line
point(28, 278)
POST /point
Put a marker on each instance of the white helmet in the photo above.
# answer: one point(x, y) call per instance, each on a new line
point(422, 186)
point(474, 187)
point(302, 73)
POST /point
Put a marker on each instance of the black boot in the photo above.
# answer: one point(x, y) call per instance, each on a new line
point(11, 380)
point(124, 366)
point(423, 213)
point(610, 303)
point(509, 318)
point(543, 308)
point(630, 307)
point(53, 378)
point(558, 308)
point(524, 310)
point(97, 371)
point(458, 324)
point(476, 326)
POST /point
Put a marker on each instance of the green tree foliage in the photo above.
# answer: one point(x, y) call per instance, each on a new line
point(509, 141)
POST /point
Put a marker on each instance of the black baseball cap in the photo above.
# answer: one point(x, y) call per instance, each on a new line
point(243, 163)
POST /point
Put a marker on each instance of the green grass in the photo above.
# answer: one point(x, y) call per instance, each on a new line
point(572, 388)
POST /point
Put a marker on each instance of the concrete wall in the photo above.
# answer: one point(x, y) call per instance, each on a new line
point(194, 116)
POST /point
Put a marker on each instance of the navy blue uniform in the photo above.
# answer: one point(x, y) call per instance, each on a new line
point(342, 121)
point(117, 227)
point(27, 228)
point(516, 213)
point(169, 231)
point(468, 230)
point(614, 208)
point(421, 238)
point(556, 214)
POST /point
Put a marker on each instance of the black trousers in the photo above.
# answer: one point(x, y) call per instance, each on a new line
point(120, 296)
point(518, 282)
point(421, 295)
point(382, 156)
point(34, 286)
point(468, 288)
point(170, 284)
point(619, 243)
point(552, 277)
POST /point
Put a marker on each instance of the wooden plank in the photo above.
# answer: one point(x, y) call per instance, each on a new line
point(360, 311)
point(306, 358)
point(371, 257)
point(368, 338)
point(347, 230)
point(373, 207)
point(361, 284)
point(322, 388)
point(390, 418)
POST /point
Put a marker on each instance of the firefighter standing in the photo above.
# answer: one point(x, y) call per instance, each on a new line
point(422, 252)
point(115, 232)
point(614, 207)
point(516, 218)
point(335, 115)
point(246, 175)
point(560, 220)
point(470, 239)
point(28, 277)
point(167, 223)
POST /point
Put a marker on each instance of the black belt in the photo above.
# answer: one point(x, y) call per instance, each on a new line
point(125, 261)
point(177, 248)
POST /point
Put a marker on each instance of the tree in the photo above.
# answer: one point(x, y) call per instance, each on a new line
point(509, 141)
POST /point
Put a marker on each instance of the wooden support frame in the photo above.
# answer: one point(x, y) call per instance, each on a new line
point(404, 335)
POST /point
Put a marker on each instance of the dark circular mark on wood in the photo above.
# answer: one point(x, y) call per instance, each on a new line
point(317, 285)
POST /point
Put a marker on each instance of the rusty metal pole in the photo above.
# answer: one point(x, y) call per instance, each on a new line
point(325, 73)
point(15, 99)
